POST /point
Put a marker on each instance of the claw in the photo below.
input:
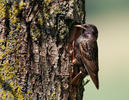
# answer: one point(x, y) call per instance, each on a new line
point(77, 79)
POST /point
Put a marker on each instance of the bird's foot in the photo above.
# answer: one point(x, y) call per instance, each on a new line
point(75, 61)
point(77, 80)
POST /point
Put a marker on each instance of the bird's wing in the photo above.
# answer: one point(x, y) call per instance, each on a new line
point(89, 57)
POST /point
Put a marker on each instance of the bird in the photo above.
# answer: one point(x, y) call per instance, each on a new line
point(85, 50)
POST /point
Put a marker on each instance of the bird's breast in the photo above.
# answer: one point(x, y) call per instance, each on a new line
point(80, 39)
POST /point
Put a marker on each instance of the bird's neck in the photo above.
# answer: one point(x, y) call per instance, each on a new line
point(80, 39)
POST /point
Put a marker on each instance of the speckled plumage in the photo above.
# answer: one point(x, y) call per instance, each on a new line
point(86, 51)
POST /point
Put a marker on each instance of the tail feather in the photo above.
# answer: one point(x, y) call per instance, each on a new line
point(94, 78)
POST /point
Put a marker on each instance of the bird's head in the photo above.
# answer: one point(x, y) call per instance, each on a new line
point(89, 31)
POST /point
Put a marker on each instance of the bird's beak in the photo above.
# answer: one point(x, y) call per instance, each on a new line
point(80, 26)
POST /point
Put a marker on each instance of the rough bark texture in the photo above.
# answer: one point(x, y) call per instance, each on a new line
point(33, 61)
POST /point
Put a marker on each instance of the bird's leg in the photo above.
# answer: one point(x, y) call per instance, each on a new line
point(76, 80)
point(77, 77)
point(73, 53)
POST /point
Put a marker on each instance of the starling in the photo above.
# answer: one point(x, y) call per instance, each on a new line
point(86, 51)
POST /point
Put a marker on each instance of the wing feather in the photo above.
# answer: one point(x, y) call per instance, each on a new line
point(89, 57)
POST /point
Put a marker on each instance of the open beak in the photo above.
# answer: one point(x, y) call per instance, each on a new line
point(80, 26)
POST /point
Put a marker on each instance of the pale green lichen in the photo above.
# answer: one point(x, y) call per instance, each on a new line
point(22, 5)
point(2, 9)
point(53, 96)
point(9, 85)
point(14, 12)
point(46, 2)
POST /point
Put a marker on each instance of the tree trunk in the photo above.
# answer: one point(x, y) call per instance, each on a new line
point(34, 63)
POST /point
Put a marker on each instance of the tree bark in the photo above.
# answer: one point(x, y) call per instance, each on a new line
point(34, 63)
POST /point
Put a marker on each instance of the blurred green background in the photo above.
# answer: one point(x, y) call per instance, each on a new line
point(112, 19)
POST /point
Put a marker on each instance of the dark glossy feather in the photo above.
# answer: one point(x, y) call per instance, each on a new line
point(89, 56)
